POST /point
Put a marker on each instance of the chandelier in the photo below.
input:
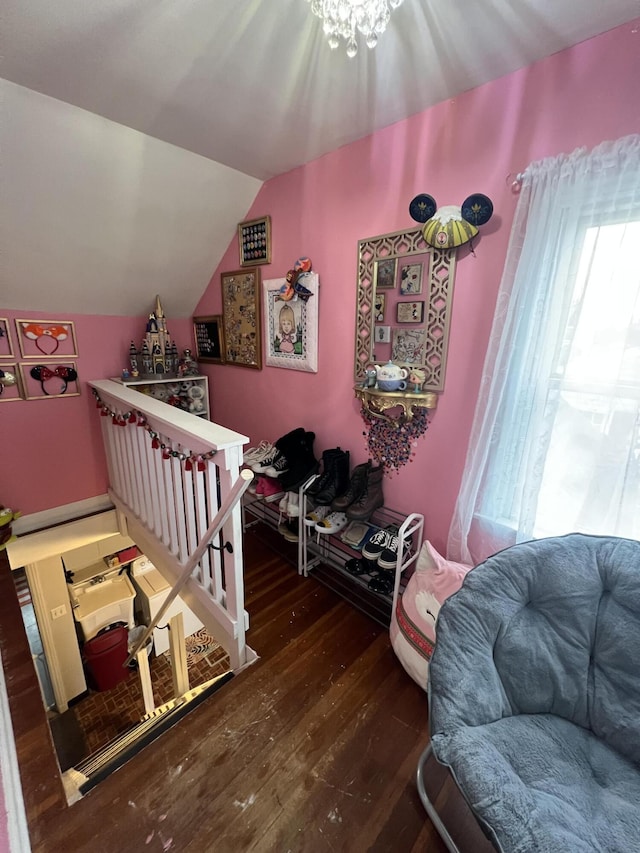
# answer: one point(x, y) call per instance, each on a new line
point(345, 18)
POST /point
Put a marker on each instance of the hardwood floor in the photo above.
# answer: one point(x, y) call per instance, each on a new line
point(312, 748)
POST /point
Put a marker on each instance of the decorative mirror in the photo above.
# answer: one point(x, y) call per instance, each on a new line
point(405, 288)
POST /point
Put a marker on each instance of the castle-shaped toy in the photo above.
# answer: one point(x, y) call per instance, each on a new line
point(158, 356)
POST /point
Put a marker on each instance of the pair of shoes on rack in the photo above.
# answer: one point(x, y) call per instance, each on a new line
point(332, 523)
point(268, 489)
point(253, 455)
point(364, 494)
point(316, 515)
point(290, 504)
point(291, 460)
point(334, 479)
point(289, 529)
point(382, 548)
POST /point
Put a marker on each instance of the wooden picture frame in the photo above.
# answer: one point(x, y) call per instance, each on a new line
point(9, 393)
point(410, 312)
point(241, 318)
point(52, 386)
point(296, 320)
point(6, 346)
point(384, 273)
point(46, 339)
point(254, 241)
point(379, 304)
point(208, 334)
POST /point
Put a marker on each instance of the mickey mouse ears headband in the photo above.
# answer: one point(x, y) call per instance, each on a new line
point(43, 374)
point(450, 226)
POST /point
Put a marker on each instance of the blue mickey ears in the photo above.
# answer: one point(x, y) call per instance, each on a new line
point(476, 209)
point(422, 207)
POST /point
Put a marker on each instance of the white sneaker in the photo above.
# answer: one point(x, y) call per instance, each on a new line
point(254, 454)
point(334, 522)
point(315, 516)
point(293, 505)
point(284, 504)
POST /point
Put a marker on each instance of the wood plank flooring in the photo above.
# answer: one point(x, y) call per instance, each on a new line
point(312, 748)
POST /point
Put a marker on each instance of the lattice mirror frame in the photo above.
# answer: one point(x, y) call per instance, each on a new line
point(437, 317)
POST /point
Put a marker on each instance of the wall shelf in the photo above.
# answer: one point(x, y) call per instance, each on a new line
point(382, 403)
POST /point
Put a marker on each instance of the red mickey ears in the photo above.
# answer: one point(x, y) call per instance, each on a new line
point(43, 374)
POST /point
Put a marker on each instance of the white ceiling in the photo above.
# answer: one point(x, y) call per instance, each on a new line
point(253, 85)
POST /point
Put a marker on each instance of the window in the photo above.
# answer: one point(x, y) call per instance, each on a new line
point(555, 444)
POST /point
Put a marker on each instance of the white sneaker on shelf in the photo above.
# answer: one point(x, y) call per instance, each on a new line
point(284, 504)
point(293, 506)
point(254, 454)
point(333, 523)
point(315, 516)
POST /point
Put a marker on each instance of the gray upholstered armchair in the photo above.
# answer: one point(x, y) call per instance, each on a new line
point(534, 696)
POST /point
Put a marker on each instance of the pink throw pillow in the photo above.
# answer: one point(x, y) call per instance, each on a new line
point(412, 629)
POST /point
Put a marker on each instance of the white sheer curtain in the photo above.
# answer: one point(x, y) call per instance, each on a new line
point(555, 443)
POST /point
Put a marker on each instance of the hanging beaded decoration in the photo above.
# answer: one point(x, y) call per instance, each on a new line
point(393, 445)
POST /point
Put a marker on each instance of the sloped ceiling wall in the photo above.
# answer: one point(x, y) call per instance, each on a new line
point(97, 218)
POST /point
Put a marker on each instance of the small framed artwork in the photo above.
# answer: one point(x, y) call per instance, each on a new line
point(6, 347)
point(209, 338)
point(408, 346)
point(384, 273)
point(48, 380)
point(382, 334)
point(410, 312)
point(241, 318)
point(410, 279)
point(10, 383)
point(291, 326)
point(378, 307)
point(254, 240)
point(46, 339)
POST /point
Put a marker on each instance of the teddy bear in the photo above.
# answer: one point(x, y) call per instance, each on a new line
point(7, 516)
point(196, 399)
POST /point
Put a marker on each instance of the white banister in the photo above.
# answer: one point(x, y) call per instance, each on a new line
point(175, 480)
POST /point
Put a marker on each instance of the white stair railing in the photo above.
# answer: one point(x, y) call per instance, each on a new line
point(170, 474)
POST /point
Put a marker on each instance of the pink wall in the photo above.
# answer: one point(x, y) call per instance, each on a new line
point(51, 450)
point(469, 144)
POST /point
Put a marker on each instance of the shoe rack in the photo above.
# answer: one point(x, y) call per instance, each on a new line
point(325, 554)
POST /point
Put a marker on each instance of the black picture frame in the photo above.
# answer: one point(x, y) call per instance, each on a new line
point(208, 333)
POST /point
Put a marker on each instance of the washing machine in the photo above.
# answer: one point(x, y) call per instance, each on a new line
point(152, 590)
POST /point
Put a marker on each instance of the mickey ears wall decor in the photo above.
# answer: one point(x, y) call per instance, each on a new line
point(450, 226)
point(46, 381)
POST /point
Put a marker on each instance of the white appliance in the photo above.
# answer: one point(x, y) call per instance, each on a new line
point(152, 591)
point(101, 597)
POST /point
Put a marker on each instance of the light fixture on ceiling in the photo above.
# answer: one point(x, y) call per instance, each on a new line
point(345, 18)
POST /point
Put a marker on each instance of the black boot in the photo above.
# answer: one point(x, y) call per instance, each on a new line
point(327, 460)
point(371, 497)
point(355, 489)
point(337, 479)
point(302, 463)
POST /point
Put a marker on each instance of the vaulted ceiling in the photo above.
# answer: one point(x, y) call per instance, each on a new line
point(253, 86)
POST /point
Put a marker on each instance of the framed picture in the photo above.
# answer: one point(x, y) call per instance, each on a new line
point(6, 347)
point(382, 334)
point(291, 326)
point(408, 346)
point(209, 338)
point(10, 383)
point(384, 273)
point(45, 381)
point(241, 318)
point(378, 307)
point(46, 339)
point(410, 312)
point(410, 279)
point(254, 240)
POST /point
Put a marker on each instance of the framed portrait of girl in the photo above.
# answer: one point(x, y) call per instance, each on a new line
point(291, 323)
